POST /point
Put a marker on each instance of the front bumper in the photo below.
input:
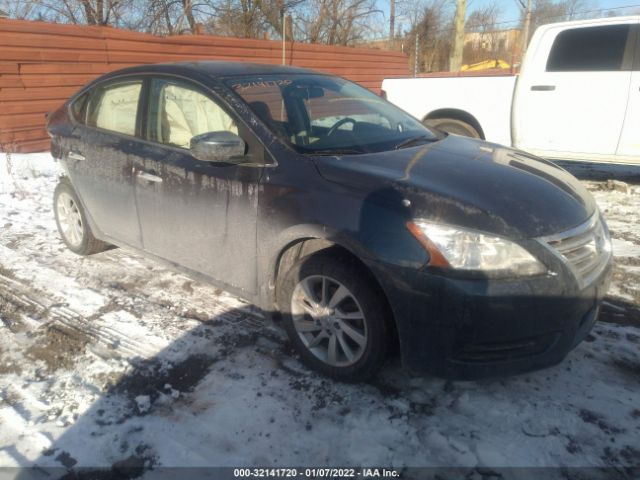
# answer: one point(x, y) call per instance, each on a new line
point(475, 328)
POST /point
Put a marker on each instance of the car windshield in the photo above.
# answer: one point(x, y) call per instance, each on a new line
point(325, 115)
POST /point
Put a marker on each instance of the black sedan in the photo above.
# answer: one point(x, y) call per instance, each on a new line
point(337, 212)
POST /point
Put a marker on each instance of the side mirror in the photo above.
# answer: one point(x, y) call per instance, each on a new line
point(222, 146)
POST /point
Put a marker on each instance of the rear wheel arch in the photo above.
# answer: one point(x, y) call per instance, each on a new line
point(457, 115)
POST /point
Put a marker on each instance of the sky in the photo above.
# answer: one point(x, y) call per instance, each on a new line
point(510, 9)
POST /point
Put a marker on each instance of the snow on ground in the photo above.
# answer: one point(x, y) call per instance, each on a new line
point(113, 358)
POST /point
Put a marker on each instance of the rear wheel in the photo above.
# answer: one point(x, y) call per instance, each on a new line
point(72, 222)
point(452, 125)
point(334, 317)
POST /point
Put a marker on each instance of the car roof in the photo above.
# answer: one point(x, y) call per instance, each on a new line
point(214, 69)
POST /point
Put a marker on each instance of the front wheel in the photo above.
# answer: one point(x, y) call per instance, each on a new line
point(334, 317)
point(72, 222)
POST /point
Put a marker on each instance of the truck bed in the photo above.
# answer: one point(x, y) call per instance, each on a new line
point(491, 96)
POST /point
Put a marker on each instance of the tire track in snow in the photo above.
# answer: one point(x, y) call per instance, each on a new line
point(212, 304)
point(49, 311)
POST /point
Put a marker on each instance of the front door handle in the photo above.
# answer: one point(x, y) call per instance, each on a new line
point(149, 177)
point(543, 88)
point(75, 156)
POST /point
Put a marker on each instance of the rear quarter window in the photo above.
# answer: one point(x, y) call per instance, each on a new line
point(79, 108)
point(589, 49)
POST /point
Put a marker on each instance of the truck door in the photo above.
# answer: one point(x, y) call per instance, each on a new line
point(630, 139)
point(572, 102)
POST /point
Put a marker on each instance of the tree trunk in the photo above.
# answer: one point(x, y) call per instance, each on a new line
point(392, 20)
point(100, 12)
point(455, 61)
point(188, 12)
point(89, 12)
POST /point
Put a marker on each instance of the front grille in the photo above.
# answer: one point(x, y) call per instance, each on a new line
point(585, 249)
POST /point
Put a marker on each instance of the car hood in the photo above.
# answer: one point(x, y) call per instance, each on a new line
point(470, 183)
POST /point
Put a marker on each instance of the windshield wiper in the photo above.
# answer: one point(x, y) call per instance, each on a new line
point(410, 141)
point(335, 151)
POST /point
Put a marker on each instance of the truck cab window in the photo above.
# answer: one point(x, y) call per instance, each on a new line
point(589, 49)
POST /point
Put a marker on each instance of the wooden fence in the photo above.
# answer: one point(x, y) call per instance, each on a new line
point(42, 64)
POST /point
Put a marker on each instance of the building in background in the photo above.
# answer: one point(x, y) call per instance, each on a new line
point(493, 48)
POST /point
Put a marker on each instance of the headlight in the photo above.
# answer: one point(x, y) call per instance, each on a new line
point(463, 249)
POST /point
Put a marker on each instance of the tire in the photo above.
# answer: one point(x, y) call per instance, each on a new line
point(452, 125)
point(358, 323)
point(72, 224)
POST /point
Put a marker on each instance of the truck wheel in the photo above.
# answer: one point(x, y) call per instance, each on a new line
point(452, 125)
point(334, 318)
point(72, 222)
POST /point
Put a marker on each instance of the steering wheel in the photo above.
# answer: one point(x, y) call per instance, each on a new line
point(339, 123)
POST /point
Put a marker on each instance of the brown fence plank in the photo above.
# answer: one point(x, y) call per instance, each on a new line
point(18, 121)
point(70, 68)
point(33, 106)
point(34, 40)
point(36, 93)
point(26, 81)
point(19, 136)
point(11, 81)
point(32, 146)
point(9, 67)
point(21, 26)
point(28, 54)
point(241, 50)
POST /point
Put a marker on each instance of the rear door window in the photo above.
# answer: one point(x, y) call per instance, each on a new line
point(114, 107)
point(589, 49)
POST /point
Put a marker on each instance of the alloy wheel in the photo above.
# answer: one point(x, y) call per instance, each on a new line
point(70, 219)
point(329, 320)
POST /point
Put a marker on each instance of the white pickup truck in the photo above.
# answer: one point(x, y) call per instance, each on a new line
point(577, 96)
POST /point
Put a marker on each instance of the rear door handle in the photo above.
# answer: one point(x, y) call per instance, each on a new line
point(543, 88)
point(149, 177)
point(75, 156)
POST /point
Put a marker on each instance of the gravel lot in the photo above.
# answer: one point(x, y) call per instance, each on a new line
point(112, 358)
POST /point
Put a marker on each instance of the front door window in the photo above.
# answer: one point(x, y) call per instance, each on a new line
point(179, 113)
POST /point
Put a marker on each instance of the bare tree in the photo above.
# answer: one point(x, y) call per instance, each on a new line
point(337, 22)
point(577, 9)
point(89, 12)
point(430, 29)
point(342, 22)
point(484, 41)
point(550, 11)
point(170, 17)
point(484, 19)
point(22, 9)
point(245, 18)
